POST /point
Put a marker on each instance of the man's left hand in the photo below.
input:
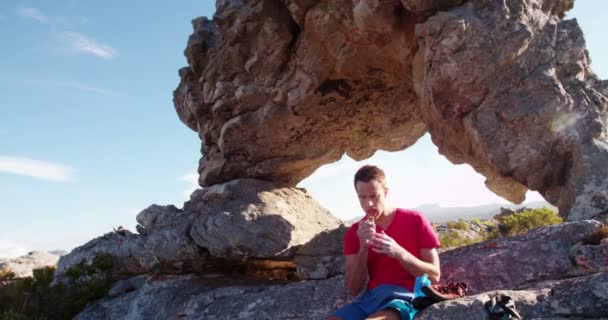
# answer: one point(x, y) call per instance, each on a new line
point(384, 244)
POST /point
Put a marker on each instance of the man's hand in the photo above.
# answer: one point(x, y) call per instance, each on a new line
point(382, 243)
point(366, 231)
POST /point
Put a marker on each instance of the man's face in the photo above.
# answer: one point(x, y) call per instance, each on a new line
point(371, 197)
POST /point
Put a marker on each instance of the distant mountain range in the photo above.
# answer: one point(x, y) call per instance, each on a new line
point(436, 213)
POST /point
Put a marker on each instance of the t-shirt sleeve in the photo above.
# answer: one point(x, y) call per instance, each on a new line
point(351, 241)
point(428, 237)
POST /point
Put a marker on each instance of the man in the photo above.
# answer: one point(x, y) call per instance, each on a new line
point(389, 248)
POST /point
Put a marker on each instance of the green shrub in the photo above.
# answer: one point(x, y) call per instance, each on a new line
point(522, 222)
point(13, 315)
point(476, 221)
point(35, 298)
point(453, 239)
point(489, 223)
point(517, 223)
point(460, 225)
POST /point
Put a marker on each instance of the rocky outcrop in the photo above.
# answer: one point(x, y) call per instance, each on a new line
point(245, 226)
point(187, 297)
point(508, 90)
point(579, 298)
point(549, 273)
point(277, 89)
point(322, 257)
point(254, 218)
point(23, 266)
point(163, 246)
point(192, 297)
point(514, 262)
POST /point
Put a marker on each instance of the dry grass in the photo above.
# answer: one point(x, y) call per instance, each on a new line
point(596, 236)
point(6, 274)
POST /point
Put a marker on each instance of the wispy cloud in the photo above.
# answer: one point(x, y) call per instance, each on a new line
point(85, 87)
point(81, 43)
point(75, 41)
point(67, 83)
point(192, 180)
point(35, 168)
point(33, 14)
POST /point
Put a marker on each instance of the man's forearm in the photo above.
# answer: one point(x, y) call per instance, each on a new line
point(417, 267)
point(356, 273)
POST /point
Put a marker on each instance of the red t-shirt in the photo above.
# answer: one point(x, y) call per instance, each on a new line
point(411, 231)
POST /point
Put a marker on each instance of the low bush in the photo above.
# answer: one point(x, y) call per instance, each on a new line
point(6, 275)
point(459, 225)
point(524, 221)
point(36, 298)
point(517, 223)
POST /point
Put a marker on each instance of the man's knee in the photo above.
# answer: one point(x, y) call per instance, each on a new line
point(388, 314)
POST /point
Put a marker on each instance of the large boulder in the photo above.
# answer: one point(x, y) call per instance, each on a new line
point(579, 298)
point(550, 273)
point(163, 246)
point(242, 226)
point(275, 89)
point(506, 87)
point(322, 257)
point(249, 218)
point(510, 263)
point(193, 297)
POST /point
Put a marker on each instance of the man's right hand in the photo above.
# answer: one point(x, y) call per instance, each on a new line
point(366, 231)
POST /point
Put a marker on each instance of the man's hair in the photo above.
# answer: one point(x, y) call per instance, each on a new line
point(368, 173)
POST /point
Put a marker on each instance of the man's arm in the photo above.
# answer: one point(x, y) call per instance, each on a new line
point(355, 273)
point(428, 263)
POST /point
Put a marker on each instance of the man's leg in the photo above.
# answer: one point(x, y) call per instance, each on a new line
point(348, 312)
point(386, 314)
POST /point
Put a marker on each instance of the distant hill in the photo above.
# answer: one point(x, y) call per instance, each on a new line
point(439, 214)
point(23, 266)
point(436, 213)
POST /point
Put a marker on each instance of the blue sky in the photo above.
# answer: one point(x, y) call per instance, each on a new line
point(89, 136)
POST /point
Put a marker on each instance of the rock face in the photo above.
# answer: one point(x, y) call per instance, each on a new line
point(322, 257)
point(517, 261)
point(580, 298)
point(242, 226)
point(507, 88)
point(255, 218)
point(194, 298)
point(23, 266)
point(552, 276)
point(276, 89)
point(163, 246)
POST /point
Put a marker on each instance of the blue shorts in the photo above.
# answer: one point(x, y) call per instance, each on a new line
point(385, 296)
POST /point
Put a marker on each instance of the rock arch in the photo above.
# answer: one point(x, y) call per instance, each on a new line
point(276, 89)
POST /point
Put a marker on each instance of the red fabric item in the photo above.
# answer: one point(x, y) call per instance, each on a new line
point(412, 231)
